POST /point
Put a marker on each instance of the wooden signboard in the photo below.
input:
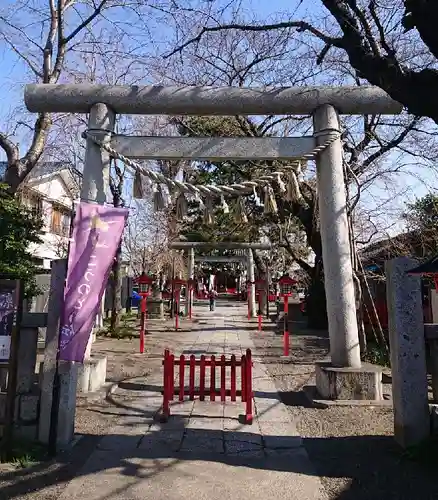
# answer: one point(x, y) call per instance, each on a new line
point(8, 315)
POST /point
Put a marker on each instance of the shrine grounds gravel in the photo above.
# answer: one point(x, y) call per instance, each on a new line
point(351, 447)
point(94, 415)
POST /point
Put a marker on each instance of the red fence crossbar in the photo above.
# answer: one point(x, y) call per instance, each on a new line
point(210, 390)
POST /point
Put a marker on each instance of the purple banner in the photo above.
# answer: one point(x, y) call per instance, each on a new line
point(97, 231)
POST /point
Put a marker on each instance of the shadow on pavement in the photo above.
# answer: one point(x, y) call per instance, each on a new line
point(375, 467)
point(368, 467)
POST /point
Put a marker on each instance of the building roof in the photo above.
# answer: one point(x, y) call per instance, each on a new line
point(45, 170)
point(409, 244)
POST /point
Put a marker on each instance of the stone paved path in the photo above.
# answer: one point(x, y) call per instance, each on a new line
point(203, 451)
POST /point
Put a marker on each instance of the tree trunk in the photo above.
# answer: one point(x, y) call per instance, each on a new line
point(316, 299)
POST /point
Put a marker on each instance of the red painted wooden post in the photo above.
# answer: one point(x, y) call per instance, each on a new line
point(286, 327)
point(166, 395)
point(192, 378)
point(182, 361)
point(213, 379)
point(233, 378)
point(242, 377)
point(202, 379)
point(248, 390)
point(223, 378)
point(172, 377)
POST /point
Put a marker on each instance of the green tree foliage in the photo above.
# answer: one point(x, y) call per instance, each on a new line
point(295, 226)
point(18, 228)
point(225, 226)
point(422, 217)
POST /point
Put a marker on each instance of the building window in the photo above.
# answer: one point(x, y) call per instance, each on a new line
point(60, 224)
point(34, 202)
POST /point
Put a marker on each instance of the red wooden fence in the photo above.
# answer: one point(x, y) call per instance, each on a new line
point(203, 391)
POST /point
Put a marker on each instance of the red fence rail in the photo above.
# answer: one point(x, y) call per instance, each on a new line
point(210, 391)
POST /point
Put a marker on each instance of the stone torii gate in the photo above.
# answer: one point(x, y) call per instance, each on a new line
point(190, 246)
point(103, 102)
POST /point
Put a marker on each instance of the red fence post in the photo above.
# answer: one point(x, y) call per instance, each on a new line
point(182, 361)
point(233, 378)
point(223, 378)
point(246, 392)
point(192, 377)
point(213, 379)
point(172, 377)
point(248, 385)
point(242, 378)
point(202, 379)
point(286, 327)
point(166, 385)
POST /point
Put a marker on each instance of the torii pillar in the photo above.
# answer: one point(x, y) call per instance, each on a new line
point(190, 276)
point(345, 377)
point(251, 287)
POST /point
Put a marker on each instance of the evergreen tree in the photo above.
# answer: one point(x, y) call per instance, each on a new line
point(421, 216)
point(19, 227)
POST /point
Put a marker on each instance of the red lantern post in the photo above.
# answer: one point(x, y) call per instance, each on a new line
point(177, 284)
point(286, 283)
point(144, 283)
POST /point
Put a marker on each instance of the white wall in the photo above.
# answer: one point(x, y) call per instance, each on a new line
point(53, 189)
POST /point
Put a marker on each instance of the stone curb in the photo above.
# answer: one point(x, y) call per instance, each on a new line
point(311, 395)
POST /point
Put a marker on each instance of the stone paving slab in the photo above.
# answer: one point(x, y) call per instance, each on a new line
point(204, 449)
point(202, 476)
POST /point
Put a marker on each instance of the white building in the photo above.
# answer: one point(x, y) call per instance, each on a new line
point(49, 191)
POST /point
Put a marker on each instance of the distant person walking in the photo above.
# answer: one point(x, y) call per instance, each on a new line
point(212, 296)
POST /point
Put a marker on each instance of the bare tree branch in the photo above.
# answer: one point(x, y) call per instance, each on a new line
point(301, 26)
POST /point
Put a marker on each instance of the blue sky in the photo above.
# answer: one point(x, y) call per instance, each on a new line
point(13, 77)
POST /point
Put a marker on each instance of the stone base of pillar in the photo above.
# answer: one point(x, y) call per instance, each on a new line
point(155, 308)
point(92, 374)
point(363, 383)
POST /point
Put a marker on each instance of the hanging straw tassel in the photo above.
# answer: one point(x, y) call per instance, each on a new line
point(198, 199)
point(239, 211)
point(224, 205)
point(137, 189)
point(281, 184)
point(270, 203)
point(167, 195)
point(208, 211)
point(158, 198)
point(293, 193)
point(257, 199)
point(182, 206)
